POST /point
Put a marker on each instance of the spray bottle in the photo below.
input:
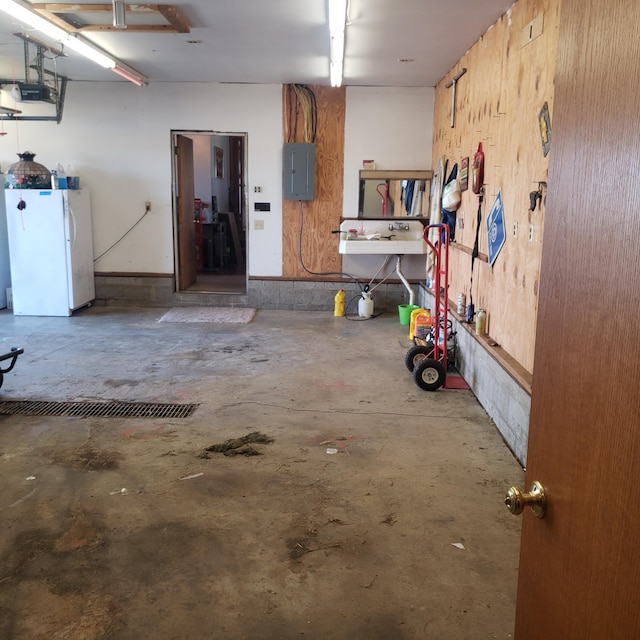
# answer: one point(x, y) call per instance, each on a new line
point(365, 305)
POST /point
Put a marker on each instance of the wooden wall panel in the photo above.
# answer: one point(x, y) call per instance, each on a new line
point(322, 214)
point(497, 103)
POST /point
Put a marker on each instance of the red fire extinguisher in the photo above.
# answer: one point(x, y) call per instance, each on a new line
point(477, 170)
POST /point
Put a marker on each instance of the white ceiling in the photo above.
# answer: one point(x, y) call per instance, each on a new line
point(283, 41)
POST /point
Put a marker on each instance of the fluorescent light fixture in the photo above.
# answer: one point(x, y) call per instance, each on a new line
point(119, 14)
point(337, 15)
point(337, 22)
point(24, 14)
point(89, 51)
point(21, 11)
point(129, 74)
point(337, 60)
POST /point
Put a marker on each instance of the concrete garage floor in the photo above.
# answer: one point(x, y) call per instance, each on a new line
point(119, 528)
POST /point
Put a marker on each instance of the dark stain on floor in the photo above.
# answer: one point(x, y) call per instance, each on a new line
point(239, 446)
point(90, 460)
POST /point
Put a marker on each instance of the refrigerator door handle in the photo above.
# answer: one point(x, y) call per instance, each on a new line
point(73, 235)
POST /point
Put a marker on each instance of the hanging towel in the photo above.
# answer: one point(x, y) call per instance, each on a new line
point(451, 198)
point(416, 203)
point(408, 196)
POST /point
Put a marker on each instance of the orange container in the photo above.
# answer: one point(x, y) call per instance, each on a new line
point(423, 324)
point(412, 321)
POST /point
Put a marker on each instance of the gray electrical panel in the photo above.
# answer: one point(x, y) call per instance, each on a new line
point(299, 167)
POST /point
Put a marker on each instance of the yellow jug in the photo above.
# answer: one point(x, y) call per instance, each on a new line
point(338, 309)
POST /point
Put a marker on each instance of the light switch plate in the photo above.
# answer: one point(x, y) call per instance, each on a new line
point(532, 31)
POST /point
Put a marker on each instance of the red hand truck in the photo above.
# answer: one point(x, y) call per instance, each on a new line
point(427, 359)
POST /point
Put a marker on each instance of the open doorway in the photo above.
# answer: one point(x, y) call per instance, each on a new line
point(210, 212)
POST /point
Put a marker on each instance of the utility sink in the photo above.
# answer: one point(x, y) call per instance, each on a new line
point(393, 236)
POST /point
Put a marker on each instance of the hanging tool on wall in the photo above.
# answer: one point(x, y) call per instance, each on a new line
point(452, 83)
point(477, 170)
point(470, 311)
point(478, 188)
point(535, 197)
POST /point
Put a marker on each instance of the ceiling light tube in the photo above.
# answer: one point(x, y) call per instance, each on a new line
point(89, 51)
point(22, 12)
point(130, 75)
point(337, 15)
point(337, 60)
point(337, 24)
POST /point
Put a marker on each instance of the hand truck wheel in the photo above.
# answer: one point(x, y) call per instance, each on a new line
point(416, 354)
point(429, 374)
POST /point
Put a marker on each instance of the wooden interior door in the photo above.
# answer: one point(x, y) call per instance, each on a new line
point(236, 188)
point(579, 574)
point(187, 269)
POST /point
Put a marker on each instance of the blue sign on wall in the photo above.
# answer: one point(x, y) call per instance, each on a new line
point(495, 228)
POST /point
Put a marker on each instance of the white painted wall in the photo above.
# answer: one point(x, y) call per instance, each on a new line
point(392, 126)
point(118, 139)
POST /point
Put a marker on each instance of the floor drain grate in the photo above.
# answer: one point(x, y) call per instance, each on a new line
point(96, 409)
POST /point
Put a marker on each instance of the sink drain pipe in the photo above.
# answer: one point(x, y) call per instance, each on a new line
point(404, 280)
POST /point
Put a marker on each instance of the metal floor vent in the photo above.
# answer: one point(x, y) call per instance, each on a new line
point(96, 409)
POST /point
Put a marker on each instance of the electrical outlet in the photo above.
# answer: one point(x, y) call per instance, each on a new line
point(515, 230)
point(258, 225)
point(530, 233)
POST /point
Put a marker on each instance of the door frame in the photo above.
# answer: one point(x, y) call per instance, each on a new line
point(243, 214)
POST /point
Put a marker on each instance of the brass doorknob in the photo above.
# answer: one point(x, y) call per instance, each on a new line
point(536, 499)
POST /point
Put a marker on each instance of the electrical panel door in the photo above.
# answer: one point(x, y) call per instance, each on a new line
point(299, 166)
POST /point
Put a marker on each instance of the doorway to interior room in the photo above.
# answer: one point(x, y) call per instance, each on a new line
point(210, 212)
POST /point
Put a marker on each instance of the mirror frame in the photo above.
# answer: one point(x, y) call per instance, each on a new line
point(393, 174)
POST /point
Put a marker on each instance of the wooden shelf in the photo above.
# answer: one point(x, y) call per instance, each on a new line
point(395, 174)
point(460, 247)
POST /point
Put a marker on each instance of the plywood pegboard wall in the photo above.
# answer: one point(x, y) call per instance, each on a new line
point(510, 75)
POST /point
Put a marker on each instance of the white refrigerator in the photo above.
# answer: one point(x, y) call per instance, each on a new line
point(5, 273)
point(50, 251)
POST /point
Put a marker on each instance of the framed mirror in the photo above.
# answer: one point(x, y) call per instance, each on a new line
point(394, 194)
